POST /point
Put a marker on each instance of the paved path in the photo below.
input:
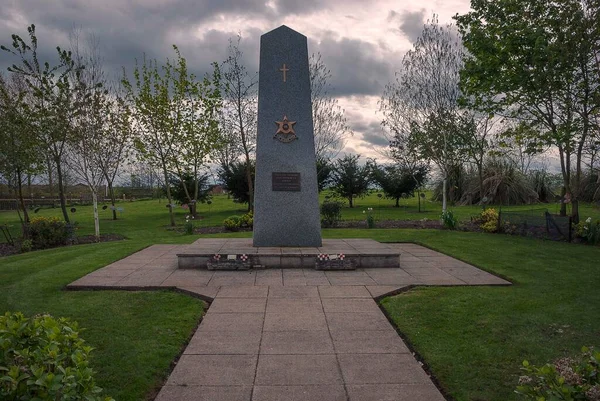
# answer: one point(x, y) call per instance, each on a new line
point(293, 334)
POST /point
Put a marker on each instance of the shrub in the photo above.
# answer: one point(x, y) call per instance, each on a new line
point(489, 220)
point(331, 213)
point(26, 245)
point(188, 227)
point(370, 218)
point(47, 232)
point(565, 379)
point(43, 358)
point(232, 223)
point(247, 220)
point(448, 220)
point(589, 231)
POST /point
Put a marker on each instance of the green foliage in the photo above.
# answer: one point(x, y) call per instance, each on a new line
point(180, 194)
point(351, 180)
point(565, 379)
point(234, 180)
point(369, 217)
point(247, 220)
point(26, 245)
point(331, 213)
point(324, 173)
point(48, 232)
point(44, 358)
point(448, 220)
point(489, 220)
point(589, 231)
point(397, 182)
point(503, 184)
point(189, 226)
point(232, 223)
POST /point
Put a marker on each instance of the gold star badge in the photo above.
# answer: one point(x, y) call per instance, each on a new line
point(285, 126)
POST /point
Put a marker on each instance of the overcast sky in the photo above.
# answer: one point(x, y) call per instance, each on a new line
point(361, 42)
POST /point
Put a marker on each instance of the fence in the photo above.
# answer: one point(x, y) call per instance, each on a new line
point(537, 223)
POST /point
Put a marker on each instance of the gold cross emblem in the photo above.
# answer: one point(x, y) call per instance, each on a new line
point(284, 69)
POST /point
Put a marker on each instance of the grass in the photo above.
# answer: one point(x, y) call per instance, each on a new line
point(135, 335)
point(473, 338)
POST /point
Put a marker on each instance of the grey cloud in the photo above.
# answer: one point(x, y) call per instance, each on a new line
point(410, 23)
point(127, 31)
point(357, 67)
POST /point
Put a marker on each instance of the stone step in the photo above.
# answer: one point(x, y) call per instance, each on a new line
point(292, 260)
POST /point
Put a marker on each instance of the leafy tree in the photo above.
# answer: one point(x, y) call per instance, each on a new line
point(20, 153)
point(181, 195)
point(330, 124)
point(233, 178)
point(397, 182)
point(421, 108)
point(537, 60)
point(350, 180)
point(88, 127)
point(176, 118)
point(54, 104)
point(324, 173)
point(240, 95)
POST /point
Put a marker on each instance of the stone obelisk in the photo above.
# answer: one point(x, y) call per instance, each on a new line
point(286, 201)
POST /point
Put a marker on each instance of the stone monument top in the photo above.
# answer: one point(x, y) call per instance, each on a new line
point(286, 201)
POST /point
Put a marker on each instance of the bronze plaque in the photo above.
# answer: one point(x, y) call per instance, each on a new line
point(288, 182)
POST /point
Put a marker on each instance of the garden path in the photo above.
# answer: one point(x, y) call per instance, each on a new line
point(293, 334)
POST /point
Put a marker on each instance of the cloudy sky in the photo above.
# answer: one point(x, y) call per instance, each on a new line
point(361, 42)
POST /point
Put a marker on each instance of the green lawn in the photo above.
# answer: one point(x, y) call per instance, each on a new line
point(474, 338)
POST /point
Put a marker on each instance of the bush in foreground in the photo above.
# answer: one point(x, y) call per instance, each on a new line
point(565, 379)
point(42, 358)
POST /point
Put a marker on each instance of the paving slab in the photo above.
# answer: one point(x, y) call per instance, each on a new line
point(293, 334)
point(382, 369)
point(205, 393)
point(394, 392)
point(299, 393)
point(286, 370)
point(214, 370)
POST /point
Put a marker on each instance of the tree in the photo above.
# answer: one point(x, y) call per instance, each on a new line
point(421, 107)
point(350, 180)
point(20, 153)
point(241, 109)
point(193, 184)
point(537, 59)
point(324, 173)
point(398, 182)
point(54, 101)
point(234, 179)
point(175, 118)
point(330, 124)
point(90, 123)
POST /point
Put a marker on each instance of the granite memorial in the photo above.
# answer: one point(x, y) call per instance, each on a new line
point(286, 200)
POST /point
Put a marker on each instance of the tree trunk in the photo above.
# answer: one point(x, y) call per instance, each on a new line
point(575, 211)
point(397, 202)
point(96, 219)
point(50, 183)
point(351, 201)
point(250, 184)
point(444, 194)
point(111, 192)
point(22, 201)
point(563, 205)
point(480, 173)
point(61, 192)
point(169, 199)
point(419, 200)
